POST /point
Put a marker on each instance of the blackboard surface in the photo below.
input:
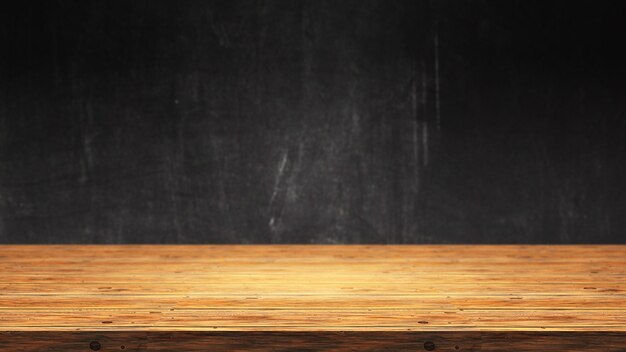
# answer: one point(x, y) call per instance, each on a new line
point(343, 121)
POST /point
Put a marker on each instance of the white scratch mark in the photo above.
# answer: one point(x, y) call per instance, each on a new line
point(356, 121)
point(279, 175)
point(87, 162)
point(424, 94)
point(415, 124)
point(437, 87)
point(219, 30)
point(425, 142)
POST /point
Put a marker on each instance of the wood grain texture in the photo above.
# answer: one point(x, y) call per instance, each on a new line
point(231, 298)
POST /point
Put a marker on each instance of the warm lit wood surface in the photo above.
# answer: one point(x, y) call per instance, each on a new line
point(458, 293)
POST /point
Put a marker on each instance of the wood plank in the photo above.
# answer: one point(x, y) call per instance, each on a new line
point(182, 297)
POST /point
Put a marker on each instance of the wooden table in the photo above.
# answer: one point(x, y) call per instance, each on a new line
point(312, 298)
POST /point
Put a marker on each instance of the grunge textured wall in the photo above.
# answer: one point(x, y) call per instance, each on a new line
point(312, 121)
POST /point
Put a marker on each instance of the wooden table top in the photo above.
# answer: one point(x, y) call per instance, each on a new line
point(433, 289)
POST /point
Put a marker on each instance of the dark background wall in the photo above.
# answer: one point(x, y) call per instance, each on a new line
point(315, 121)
